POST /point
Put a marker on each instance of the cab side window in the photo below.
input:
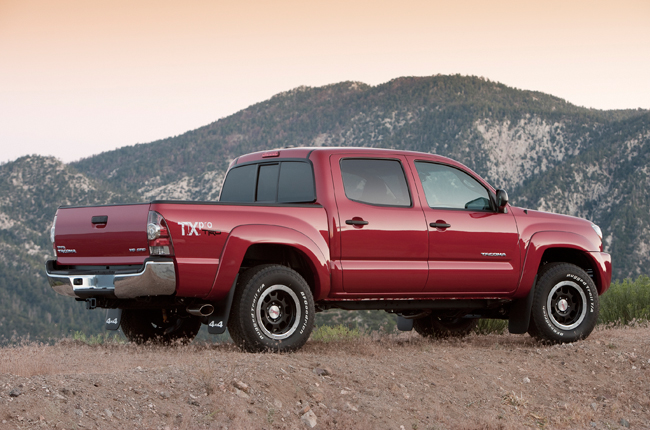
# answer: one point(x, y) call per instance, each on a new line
point(446, 187)
point(375, 182)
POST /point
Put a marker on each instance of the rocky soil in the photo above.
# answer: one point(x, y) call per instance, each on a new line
point(392, 382)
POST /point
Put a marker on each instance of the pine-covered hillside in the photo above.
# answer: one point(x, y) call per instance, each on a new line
point(31, 189)
point(547, 153)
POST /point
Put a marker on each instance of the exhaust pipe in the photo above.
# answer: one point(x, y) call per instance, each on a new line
point(204, 310)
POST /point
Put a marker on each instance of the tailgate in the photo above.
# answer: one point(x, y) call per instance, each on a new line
point(102, 235)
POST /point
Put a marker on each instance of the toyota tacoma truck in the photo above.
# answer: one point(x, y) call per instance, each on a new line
point(302, 230)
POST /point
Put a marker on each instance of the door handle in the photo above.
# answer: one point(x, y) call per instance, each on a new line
point(356, 222)
point(440, 225)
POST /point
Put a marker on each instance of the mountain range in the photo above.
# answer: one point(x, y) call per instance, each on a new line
point(547, 153)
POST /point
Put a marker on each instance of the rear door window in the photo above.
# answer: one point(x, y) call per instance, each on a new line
point(446, 187)
point(375, 181)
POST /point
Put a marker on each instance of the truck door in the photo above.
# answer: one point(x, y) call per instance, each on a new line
point(381, 225)
point(472, 248)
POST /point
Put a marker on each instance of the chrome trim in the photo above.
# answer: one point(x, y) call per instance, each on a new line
point(493, 254)
point(157, 278)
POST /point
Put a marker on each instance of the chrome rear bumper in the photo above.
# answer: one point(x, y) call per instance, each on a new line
point(157, 278)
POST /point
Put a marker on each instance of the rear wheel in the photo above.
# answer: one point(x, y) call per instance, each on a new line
point(158, 326)
point(273, 309)
point(565, 305)
point(436, 327)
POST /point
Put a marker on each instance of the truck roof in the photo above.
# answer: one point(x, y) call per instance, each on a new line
point(305, 152)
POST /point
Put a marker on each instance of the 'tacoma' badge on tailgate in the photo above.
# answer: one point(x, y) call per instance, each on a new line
point(63, 250)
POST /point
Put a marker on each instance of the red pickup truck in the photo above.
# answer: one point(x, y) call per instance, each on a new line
point(302, 230)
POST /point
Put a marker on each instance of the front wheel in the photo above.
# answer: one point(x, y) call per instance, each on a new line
point(158, 326)
point(273, 309)
point(565, 304)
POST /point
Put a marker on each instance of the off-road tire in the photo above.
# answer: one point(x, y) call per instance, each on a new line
point(565, 304)
point(434, 326)
point(147, 325)
point(272, 310)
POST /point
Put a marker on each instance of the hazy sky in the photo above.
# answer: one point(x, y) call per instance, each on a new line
point(84, 76)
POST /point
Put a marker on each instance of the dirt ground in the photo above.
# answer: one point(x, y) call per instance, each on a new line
point(392, 382)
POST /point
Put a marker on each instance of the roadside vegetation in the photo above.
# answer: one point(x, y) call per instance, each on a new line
point(626, 302)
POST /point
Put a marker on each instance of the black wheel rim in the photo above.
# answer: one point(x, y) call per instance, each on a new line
point(566, 305)
point(278, 312)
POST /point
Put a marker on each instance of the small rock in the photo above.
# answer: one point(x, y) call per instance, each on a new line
point(79, 412)
point(277, 404)
point(322, 371)
point(624, 423)
point(593, 424)
point(193, 403)
point(351, 407)
point(240, 386)
point(317, 396)
point(526, 380)
point(58, 397)
point(163, 395)
point(594, 406)
point(309, 418)
point(241, 394)
point(108, 413)
point(344, 392)
point(15, 392)
point(303, 409)
point(65, 391)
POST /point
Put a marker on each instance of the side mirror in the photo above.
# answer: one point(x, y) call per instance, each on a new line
point(502, 201)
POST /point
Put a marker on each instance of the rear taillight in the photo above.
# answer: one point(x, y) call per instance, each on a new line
point(160, 242)
point(52, 234)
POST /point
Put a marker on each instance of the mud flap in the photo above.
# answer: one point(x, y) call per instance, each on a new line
point(113, 318)
point(520, 312)
point(404, 324)
point(218, 321)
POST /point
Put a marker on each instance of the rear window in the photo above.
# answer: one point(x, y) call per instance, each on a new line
point(240, 185)
point(281, 182)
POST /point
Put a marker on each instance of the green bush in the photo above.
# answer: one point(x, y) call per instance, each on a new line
point(625, 302)
point(98, 339)
point(339, 332)
point(490, 326)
